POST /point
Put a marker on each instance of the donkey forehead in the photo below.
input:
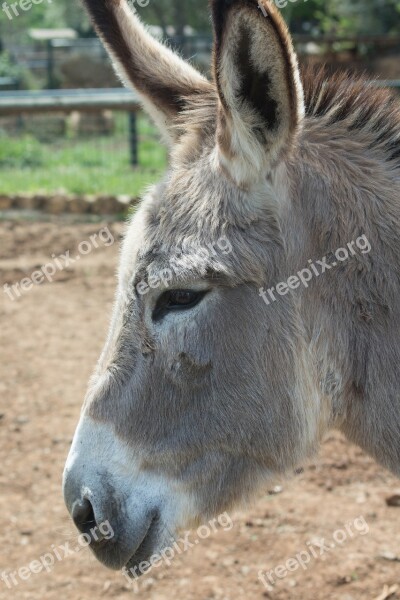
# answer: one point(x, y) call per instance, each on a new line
point(191, 218)
point(151, 252)
point(183, 257)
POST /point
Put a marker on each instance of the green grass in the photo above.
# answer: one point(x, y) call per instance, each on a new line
point(98, 165)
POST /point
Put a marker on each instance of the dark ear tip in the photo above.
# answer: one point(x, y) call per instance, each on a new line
point(221, 8)
point(221, 4)
point(218, 7)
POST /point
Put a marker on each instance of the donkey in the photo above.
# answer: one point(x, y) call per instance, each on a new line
point(205, 389)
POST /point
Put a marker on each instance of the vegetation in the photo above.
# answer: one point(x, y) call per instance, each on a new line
point(81, 166)
point(334, 16)
point(342, 17)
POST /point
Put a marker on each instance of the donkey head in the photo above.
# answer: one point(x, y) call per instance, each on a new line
point(200, 394)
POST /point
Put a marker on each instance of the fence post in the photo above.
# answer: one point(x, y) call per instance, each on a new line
point(133, 138)
point(50, 65)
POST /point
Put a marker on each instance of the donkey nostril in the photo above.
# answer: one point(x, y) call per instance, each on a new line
point(83, 516)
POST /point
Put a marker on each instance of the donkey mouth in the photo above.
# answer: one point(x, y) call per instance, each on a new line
point(139, 562)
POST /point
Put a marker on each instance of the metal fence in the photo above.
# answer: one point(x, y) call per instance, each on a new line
point(44, 59)
point(77, 141)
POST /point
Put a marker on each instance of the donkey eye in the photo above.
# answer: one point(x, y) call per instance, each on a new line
point(177, 300)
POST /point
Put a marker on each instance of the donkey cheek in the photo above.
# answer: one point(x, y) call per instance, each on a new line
point(184, 371)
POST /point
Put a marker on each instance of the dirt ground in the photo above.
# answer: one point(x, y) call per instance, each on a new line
point(50, 339)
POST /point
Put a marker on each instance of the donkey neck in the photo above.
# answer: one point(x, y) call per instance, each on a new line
point(350, 313)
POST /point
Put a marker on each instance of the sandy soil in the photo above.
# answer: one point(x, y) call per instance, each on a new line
point(50, 340)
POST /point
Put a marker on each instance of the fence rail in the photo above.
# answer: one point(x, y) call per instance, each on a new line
point(90, 100)
point(15, 102)
point(395, 83)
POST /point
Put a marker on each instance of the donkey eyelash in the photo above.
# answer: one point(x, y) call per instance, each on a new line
point(177, 300)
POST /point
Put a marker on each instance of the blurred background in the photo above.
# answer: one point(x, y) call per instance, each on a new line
point(51, 48)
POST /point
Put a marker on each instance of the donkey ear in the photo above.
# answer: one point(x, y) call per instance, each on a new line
point(261, 97)
point(163, 81)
